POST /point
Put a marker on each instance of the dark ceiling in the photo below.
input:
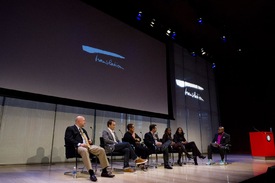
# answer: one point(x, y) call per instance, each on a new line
point(245, 81)
point(247, 24)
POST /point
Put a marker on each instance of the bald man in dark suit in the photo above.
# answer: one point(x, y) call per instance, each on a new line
point(78, 137)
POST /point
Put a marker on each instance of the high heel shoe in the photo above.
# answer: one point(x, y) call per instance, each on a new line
point(195, 160)
point(202, 157)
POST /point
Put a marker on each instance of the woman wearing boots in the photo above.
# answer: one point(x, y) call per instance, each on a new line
point(177, 146)
point(180, 140)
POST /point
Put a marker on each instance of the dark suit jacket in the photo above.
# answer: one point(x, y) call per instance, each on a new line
point(224, 140)
point(149, 141)
point(73, 136)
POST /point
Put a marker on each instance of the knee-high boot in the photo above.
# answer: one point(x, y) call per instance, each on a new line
point(187, 154)
point(195, 160)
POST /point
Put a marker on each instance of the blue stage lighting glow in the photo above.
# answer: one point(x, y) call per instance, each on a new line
point(139, 16)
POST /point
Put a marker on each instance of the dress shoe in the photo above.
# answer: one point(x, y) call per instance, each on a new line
point(168, 167)
point(106, 174)
point(140, 161)
point(93, 178)
point(202, 157)
point(196, 163)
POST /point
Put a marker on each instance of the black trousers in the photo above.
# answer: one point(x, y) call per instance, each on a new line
point(219, 149)
point(193, 147)
point(142, 151)
point(127, 150)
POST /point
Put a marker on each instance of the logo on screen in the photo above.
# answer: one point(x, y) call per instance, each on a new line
point(186, 85)
point(104, 57)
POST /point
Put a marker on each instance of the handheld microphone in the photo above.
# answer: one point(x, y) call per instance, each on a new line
point(141, 134)
point(91, 134)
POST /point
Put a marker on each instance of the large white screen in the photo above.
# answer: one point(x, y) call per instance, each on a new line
point(71, 50)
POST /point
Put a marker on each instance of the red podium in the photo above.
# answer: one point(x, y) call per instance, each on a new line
point(262, 145)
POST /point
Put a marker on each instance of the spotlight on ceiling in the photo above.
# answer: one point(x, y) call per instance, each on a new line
point(213, 65)
point(200, 21)
point(171, 33)
point(203, 52)
point(173, 36)
point(139, 15)
point(223, 38)
point(168, 32)
point(152, 23)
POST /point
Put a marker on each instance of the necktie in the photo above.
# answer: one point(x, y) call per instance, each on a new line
point(84, 137)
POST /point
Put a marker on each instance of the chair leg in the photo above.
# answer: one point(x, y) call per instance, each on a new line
point(76, 162)
point(173, 160)
point(111, 162)
point(151, 163)
point(82, 169)
point(70, 172)
point(226, 150)
point(118, 170)
point(95, 162)
point(184, 158)
point(225, 158)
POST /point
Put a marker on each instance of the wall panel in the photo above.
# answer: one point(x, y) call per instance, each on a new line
point(26, 132)
point(33, 132)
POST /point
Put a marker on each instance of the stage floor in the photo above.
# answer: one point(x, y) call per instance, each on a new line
point(240, 168)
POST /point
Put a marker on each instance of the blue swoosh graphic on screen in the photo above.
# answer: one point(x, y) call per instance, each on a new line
point(96, 50)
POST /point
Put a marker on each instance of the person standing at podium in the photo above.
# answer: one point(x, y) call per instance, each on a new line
point(220, 140)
